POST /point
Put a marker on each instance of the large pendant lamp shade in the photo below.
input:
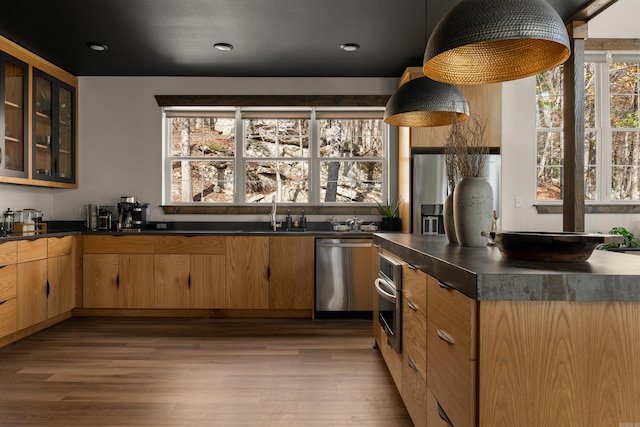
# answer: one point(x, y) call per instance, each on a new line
point(423, 102)
point(490, 41)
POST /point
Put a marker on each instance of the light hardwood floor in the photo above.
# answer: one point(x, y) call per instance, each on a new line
point(198, 372)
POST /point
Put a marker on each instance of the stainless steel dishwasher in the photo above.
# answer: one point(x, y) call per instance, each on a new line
point(344, 277)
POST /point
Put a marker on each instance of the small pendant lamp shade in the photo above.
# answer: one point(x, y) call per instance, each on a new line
point(491, 41)
point(423, 102)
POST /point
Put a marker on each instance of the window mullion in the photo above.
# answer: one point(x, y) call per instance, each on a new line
point(239, 175)
point(604, 157)
point(314, 162)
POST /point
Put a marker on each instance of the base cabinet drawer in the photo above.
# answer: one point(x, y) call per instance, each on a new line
point(436, 416)
point(414, 392)
point(451, 376)
point(8, 317)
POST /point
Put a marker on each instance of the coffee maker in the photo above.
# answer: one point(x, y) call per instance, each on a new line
point(132, 215)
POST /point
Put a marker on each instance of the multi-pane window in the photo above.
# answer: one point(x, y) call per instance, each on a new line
point(612, 134)
point(351, 167)
point(303, 156)
point(276, 153)
point(201, 157)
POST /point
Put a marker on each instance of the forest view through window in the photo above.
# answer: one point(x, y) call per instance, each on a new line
point(307, 156)
point(612, 131)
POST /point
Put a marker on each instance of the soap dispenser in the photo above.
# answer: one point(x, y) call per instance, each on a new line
point(288, 220)
point(303, 220)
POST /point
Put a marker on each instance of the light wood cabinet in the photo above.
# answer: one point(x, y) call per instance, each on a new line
point(100, 280)
point(32, 292)
point(560, 363)
point(8, 288)
point(118, 272)
point(40, 131)
point(414, 338)
point(451, 352)
point(60, 283)
point(247, 269)
point(190, 271)
point(207, 288)
point(291, 267)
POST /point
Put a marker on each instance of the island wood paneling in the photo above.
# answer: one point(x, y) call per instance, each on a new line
point(570, 364)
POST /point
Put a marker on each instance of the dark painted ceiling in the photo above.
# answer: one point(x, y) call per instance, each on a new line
point(287, 38)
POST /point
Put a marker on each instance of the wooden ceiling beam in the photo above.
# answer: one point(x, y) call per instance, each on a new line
point(591, 10)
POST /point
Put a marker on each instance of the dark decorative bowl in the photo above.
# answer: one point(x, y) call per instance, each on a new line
point(549, 246)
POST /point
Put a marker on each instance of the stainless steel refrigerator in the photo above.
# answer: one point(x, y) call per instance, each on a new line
point(430, 188)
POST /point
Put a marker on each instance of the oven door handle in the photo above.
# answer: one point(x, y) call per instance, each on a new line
point(385, 293)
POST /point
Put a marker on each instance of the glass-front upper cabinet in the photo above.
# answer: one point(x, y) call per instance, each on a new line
point(13, 116)
point(54, 133)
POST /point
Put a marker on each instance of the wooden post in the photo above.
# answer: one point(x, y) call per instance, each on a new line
point(573, 187)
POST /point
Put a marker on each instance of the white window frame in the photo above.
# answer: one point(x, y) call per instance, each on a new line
point(241, 159)
point(602, 129)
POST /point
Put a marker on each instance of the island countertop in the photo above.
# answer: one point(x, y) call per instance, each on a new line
point(482, 273)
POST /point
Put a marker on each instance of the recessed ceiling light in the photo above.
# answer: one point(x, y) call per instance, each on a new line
point(223, 47)
point(97, 46)
point(349, 47)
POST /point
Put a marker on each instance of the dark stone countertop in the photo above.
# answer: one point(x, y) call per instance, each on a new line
point(482, 273)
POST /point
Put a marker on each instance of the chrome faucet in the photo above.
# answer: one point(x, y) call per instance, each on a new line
point(274, 222)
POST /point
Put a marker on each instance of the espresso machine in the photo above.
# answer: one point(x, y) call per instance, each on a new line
point(132, 215)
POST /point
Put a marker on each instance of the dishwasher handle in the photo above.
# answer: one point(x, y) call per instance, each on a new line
point(343, 245)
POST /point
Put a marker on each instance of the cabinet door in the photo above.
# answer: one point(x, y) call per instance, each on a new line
point(207, 281)
point(291, 264)
point(172, 281)
point(8, 289)
point(136, 281)
point(364, 275)
point(100, 281)
point(13, 116)
point(247, 284)
point(53, 129)
point(32, 293)
point(60, 280)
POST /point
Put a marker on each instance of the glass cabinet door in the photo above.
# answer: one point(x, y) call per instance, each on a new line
point(53, 129)
point(43, 127)
point(66, 156)
point(13, 116)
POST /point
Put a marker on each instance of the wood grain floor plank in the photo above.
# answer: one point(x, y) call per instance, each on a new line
point(143, 372)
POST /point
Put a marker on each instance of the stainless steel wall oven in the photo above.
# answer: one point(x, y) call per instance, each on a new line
point(389, 290)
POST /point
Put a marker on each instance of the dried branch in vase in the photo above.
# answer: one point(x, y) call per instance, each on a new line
point(466, 142)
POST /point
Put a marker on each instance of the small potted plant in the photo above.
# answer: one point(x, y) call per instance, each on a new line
point(390, 219)
point(630, 240)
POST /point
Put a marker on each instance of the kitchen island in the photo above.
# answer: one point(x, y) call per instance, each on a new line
point(516, 343)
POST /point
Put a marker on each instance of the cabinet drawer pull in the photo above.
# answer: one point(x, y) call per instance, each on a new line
point(444, 337)
point(412, 306)
point(118, 281)
point(444, 285)
point(189, 282)
point(48, 289)
point(411, 364)
point(412, 267)
point(2, 302)
point(443, 415)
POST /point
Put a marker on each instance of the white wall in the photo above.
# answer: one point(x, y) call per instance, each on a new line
point(120, 137)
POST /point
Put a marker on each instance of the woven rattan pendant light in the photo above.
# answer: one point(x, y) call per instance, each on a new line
point(490, 41)
point(423, 102)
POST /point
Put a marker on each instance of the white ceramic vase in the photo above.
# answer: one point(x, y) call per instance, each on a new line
point(472, 209)
point(447, 220)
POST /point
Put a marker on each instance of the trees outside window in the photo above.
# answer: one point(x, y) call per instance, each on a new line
point(252, 157)
point(612, 134)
